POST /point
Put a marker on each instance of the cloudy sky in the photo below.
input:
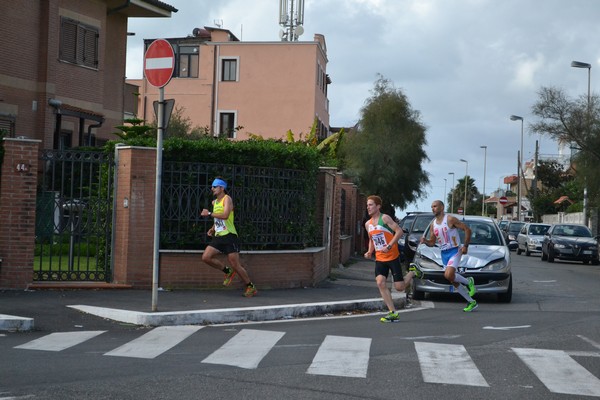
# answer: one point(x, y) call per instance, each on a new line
point(466, 65)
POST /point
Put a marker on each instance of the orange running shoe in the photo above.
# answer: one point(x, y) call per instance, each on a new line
point(229, 276)
point(250, 290)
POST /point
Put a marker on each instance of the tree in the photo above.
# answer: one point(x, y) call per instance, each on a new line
point(385, 152)
point(577, 123)
point(473, 197)
point(554, 183)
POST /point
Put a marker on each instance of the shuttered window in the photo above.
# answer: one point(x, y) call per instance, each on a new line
point(7, 126)
point(78, 43)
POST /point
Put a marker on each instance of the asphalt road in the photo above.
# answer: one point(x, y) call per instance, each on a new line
point(545, 344)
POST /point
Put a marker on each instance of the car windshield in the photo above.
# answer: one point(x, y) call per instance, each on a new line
point(515, 227)
point(572, 230)
point(482, 233)
point(539, 230)
point(421, 223)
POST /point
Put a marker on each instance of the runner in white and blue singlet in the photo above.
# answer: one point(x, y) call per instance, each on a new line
point(444, 232)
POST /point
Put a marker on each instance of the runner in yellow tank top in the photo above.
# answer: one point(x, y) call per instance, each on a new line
point(224, 238)
point(384, 233)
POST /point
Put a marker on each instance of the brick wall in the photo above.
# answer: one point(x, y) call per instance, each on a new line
point(18, 189)
point(134, 238)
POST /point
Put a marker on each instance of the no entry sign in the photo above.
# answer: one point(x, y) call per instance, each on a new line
point(159, 62)
point(503, 200)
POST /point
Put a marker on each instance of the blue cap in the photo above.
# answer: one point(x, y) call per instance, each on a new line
point(220, 182)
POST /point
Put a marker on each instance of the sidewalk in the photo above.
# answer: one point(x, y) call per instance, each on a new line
point(349, 289)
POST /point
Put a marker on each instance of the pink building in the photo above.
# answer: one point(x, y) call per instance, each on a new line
point(262, 88)
point(62, 70)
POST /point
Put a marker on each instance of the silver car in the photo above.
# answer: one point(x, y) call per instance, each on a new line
point(530, 238)
point(487, 262)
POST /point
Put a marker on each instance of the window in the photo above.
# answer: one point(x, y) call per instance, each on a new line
point(7, 125)
point(227, 124)
point(188, 62)
point(78, 43)
point(229, 70)
point(65, 141)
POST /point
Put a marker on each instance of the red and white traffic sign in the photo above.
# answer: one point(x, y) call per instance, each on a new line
point(159, 63)
point(503, 200)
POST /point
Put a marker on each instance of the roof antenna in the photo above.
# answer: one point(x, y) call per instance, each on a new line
point(218, 23)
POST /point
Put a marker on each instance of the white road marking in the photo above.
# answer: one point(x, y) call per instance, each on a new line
point(448, 364)
point(559, 372)
point(59, 341)
point(246, 349)
point(342, 356)
point(590, 341)
point(155, 342)
point(505, 328)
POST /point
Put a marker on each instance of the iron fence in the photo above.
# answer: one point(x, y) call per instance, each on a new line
point(74, 216)
point(274, 208)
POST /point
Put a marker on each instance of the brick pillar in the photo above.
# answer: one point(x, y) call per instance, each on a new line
point(134, 216)
point(18, 190)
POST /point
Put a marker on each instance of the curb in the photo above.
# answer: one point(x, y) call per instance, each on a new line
point(14, 323)
point(233, 315)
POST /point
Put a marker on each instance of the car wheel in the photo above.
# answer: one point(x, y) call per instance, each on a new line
point(506, 297)
point(586, 262)
point(418, 295)
point(550, 256)
point(519, 251)
point(544, 256)
point(596, 262)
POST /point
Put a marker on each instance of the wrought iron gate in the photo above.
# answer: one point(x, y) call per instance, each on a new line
point(74, 216)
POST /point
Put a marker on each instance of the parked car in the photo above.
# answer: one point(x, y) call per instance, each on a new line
point(529, 239)
point(573, 242)
point(405, 225)
point(414, 234)
point(502, 224)
point(487, 262)
point(510, 232)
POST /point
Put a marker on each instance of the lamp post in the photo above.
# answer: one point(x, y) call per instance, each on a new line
point(520, 169)
point(484, 168)
point(578, 64)
point(466, 174)
point(452, 199)
point(445, 181)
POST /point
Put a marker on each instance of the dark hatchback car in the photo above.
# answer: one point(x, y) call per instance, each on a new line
point(571, 242)
point(510, 232)
point(414, 234)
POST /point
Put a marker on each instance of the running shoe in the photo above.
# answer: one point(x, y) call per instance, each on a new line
point(471, 287)
point(472, 305)
point(229, 275)
point(417, 271)
point(390, 317)
point(250, 290)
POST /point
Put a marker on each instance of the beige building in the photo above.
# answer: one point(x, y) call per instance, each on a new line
point(236, 88)
point(62, 72)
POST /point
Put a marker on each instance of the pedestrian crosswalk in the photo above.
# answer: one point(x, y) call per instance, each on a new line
point(342, 356)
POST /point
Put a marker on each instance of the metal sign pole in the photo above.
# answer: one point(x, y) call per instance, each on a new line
point(159, 149)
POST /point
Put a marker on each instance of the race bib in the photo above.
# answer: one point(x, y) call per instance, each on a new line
point(219, 225)
point(379, 241)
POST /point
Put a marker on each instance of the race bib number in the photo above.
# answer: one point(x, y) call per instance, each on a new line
point(219, 225)
point(379, 241)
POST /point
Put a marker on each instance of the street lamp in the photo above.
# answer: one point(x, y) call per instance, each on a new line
point(578, 64)
point(466, 174)
point(445, 181)
point(484, 167)
point(520, 169)
point(452, 199)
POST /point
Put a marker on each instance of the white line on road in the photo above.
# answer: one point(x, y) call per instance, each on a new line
point(505, 328)
point(155, 342)
point(559, 372)
point(59, 341)
point(246, 349)
point(342, 356)
point(448, 364)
